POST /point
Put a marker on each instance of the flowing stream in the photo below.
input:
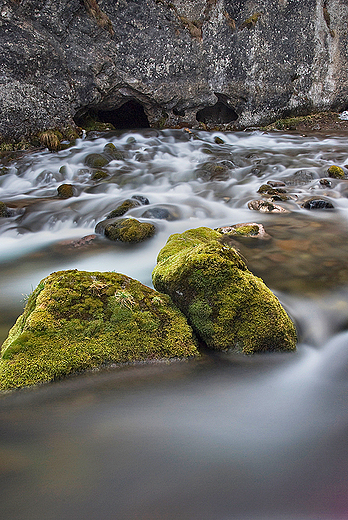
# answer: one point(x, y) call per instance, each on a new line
point(225, 437)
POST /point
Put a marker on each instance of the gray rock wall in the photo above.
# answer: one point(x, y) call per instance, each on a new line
point(220, 62)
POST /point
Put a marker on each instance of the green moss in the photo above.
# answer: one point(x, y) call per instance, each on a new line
point(335, 172)
point(3, 210)
point(226, 304)
point(76, 320)
point(123, 208)
point(248, 230)
point(129, 230)
point(250, 22)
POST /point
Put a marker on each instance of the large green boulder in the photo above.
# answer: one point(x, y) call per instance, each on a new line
point(227, 306)
point(76, 320)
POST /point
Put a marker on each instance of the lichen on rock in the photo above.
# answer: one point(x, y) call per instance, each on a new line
point(227, 306)
point(77, 320)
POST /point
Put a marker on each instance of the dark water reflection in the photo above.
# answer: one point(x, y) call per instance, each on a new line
point(224, 437)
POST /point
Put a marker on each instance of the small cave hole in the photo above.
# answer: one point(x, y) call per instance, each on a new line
point(217, 114)
point(179, 112)
point(129, 115)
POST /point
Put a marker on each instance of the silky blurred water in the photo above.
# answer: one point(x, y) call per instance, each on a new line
point(225, 437)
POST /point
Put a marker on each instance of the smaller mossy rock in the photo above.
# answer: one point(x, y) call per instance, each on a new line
point(218, 140)
point(65, 191)
point(275, 194)
point(335, 172)
point(111, 152)
point(3, 210)
point(99, 175)
point(128, 230)
point(76, 320)
point(228, 307)
point(123, 208)
point(96, 160)
point(246, 229)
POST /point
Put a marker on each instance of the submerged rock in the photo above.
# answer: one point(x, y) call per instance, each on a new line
point(128, 230)
point(123, 208)
point(228, 307)
point(96, 160)
point(300, 178)
point(76, 320)
point(110, 152)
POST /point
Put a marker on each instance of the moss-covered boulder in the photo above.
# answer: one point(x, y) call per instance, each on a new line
point(228, 307)
point(128, 230)
point(76, 320)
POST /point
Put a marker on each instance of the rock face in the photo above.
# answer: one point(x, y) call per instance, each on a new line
point(136, 63)
point(227, 306)
point(76, 320)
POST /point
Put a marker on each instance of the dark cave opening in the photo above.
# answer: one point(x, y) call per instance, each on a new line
point(217, 114)
point(130, 115)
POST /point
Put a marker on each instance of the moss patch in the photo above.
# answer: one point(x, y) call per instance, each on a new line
point(76, 320)
point(225, 303)
point(335, 172)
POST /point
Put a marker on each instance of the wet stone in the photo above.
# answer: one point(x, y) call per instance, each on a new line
point(96, 160)
point(213, 172)
point(123, 208)
point(112, 153)
point(144, 201)
point(325, 183)
point(317, 203)
point(99, 175)
point(266, 207)
point(276, 184)
point(65, 191)
point(161, 214)
point(300, 178)
point(246, 229)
